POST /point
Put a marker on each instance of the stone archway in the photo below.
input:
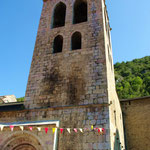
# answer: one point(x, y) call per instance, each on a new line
point(22, 141)
point(24, 147)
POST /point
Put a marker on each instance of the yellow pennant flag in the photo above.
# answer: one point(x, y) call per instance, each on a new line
point(54, 129)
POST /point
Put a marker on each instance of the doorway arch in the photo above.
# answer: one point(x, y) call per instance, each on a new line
point(24, 147)
point(23, 141)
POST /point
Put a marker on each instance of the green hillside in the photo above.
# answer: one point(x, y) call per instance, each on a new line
point(133, 78)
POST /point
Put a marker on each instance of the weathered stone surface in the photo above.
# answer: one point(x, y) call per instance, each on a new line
point(76, 87)
point(137, 123)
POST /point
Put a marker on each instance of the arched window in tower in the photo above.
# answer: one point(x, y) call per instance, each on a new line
point(59, 15)
point(80, 11)
point(58, 44)
point(76, 41)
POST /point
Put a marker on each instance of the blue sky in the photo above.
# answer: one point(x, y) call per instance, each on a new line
point(129, 19)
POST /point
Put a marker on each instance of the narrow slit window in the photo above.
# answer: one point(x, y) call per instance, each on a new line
point(58, 44)
point(80, 11)
point(59, 15)
point(76, 41)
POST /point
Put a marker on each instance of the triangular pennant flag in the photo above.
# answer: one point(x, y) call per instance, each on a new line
point(68, 129)
point(1, 127)
point(61, 130)
point(103, 130)
point(75, 130)
point(11, 127)
point(85, 129)
point(100, 129)
point(30, 128)
point(46, 130)
point(39, 128)
point(81, 130)
point(92, 127)
point(53, 129)
point(21, 127)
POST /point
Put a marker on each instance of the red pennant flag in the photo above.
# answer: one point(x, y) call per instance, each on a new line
point(98, 130)
point(46, 130)
point(61, 130)
point(11, 127)
point(30, 128)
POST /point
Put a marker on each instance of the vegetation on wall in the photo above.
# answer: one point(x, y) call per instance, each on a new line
point(133, 78)
point(21, 99)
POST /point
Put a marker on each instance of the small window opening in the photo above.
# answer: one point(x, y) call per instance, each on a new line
point(115, 117)
point(59, 15)
point(80, 11)
point(58, 44)
point(76, 41)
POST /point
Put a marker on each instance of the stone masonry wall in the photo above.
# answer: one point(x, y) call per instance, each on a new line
point(73, 117)
point(73, 87)
point(137, 123)
point(70, 77)
point(27, 140)
point(115, 112)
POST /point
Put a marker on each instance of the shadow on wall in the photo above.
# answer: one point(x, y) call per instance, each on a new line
point(117, 143)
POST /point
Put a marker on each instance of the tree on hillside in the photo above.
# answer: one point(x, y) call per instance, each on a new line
point(133, 78)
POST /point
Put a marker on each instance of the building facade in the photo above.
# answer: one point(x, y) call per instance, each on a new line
point(136, 123)
point(8, 99)
point(71, 83)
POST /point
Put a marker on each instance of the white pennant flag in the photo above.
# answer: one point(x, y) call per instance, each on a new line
point(39, 128)
point(100, 129)
point(81, 130)
point(68, 129)
point(1, 127)
point(21, 127)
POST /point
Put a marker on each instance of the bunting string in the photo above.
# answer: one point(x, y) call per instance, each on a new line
point(69, 130)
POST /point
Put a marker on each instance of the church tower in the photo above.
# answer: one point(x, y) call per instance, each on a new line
point(72, 72)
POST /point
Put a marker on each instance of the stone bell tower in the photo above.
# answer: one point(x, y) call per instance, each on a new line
point(72, 68)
